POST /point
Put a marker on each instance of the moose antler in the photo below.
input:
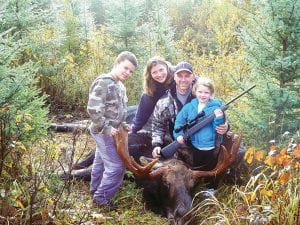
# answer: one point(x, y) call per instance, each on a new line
point(121, 141)
point(225, 159)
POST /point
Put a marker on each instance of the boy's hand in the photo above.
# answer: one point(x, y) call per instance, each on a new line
point(114, 131)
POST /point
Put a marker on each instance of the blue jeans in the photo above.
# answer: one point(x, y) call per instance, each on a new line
point(108, 170)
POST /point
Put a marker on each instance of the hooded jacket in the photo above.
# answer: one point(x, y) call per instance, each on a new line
point(205, 138)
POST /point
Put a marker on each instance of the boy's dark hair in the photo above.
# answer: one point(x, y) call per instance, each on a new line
point(126, 56)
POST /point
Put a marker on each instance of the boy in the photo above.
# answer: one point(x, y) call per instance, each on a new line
point(107, 109)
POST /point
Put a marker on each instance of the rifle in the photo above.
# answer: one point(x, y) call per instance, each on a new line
point(190, 123)
point(169, 150)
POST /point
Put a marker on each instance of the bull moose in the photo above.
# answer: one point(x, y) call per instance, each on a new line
point(175, 178)
point(167, 184)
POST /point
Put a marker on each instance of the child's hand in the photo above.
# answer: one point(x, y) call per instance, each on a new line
point(218, 112)
point(180, 139)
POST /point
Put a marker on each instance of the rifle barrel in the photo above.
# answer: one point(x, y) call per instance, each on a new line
point(244, 92)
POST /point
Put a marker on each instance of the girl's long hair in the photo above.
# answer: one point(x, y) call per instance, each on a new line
point(149, 82)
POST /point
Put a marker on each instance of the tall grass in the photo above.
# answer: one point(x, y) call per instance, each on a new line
point(271, 195)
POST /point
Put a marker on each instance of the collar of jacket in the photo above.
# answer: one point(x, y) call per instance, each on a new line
point(172, 92)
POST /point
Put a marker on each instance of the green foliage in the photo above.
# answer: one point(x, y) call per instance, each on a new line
point(272, 48)
point(66, 56)
point(98, 9)
point(19, 96)
point(158, 33)
point(123, 18)
point(23, 117)
point(210, 43)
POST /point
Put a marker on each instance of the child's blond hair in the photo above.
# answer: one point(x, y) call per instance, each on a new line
point(205, 81)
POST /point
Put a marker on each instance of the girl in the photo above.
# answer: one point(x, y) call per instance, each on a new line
point(203, 141)
point(158, 78)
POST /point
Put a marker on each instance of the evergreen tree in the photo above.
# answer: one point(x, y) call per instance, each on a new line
point(158, 32)
point(98, 9)
point(24, 15)
point(123, 19)
point(272, 43)
point(23, 114)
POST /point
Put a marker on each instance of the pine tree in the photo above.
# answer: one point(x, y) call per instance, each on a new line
point(158, 31)
point(23, 114)
point(123, 18)
point(272, 43)
point(98, 9)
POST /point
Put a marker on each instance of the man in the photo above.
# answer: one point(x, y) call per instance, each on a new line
point(169, 105)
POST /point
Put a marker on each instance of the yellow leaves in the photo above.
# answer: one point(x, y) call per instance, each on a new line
point(268, 193)
point(275, 157)
point(250, 197)
point(25, 119)
point(284, 177)
point(19, 203)
point(28, 117)
point(270, 160)
point(20, 145)
point(259, 155)
point(250, 155)
point(282, 160)
point(46, 190)
point(50, 201)
point(296, 152)
point(18, 119)
point(27, 127)
point(70, 58)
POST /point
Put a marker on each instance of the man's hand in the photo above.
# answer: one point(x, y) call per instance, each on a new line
point(223, 128)
point(156, 152)
point(180, 139)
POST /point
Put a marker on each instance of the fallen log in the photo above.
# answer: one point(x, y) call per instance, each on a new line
point(83, 125)
point(68, 127)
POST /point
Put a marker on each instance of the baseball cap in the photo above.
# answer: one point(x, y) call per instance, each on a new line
point(183, 66)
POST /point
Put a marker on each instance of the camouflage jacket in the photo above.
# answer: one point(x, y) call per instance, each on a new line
point(164, 116)
point(107, 105)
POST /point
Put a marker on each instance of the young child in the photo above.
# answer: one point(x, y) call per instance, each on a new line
point(204, 140)
point(107, 109)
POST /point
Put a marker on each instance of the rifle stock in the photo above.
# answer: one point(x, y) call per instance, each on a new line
point(170, 149)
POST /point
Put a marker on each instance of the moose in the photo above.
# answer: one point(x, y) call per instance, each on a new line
point(167, 184)
point(175, 178)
